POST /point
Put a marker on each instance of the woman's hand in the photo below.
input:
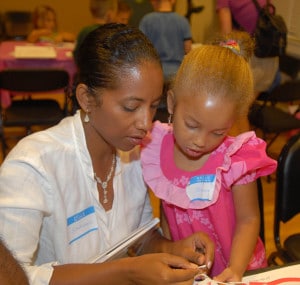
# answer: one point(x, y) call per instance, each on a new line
point(147, 269)
point(162, 268)
point(197, 248)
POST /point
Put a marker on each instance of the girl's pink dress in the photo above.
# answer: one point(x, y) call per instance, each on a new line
point(238, 160)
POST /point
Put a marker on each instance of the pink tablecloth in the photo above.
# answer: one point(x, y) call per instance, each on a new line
point(63, 60)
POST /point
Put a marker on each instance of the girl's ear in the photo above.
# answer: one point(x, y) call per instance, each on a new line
point(82, 96)
point(170, 101)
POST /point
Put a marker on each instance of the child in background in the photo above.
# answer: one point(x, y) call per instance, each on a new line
point(205, 178)
point(45, 27)
point(170, 33)
point(124, 13)
point(103, 12)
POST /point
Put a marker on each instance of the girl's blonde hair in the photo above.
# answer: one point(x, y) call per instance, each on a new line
point(219, 69)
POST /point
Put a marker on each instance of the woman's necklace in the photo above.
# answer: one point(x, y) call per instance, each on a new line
point(105, 183)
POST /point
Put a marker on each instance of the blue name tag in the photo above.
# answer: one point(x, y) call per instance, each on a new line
point(81, 223)
point(201, 187)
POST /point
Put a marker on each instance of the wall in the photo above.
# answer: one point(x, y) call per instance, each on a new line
point(72, 15)
point(290, 11)
point(203, 24)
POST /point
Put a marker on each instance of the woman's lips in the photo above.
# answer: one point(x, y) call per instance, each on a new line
point(136, 140)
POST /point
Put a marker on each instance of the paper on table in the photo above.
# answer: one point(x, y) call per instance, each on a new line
point(120, 249)
point(285, 275)
point(27, 52)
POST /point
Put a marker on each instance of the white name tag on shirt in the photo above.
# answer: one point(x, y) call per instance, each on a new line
point(201, 187)
point(81, 223)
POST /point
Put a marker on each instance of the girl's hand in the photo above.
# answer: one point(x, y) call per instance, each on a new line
point(228, 275)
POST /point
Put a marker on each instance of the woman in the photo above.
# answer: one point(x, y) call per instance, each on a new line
point(70, 192)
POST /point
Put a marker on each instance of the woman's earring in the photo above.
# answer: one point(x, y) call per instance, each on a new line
point(170, 119)
point(86, 117)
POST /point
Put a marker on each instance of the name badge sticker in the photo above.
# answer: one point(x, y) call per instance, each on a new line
point(81, 223)
point(201, 187)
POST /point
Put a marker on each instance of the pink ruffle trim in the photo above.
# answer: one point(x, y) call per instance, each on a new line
point(244, 161)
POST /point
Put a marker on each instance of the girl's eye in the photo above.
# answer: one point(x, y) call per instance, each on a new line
point(219, 134)
point(190, 125)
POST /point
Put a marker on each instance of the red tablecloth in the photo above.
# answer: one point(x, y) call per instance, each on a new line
point(63, 60)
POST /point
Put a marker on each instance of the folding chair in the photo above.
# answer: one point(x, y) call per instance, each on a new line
point(287, 202)
point(26, 110)
point(17, 24)
point(266, 115)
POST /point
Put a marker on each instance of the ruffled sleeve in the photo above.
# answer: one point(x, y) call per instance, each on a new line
point(242, 160)
point(246, 160)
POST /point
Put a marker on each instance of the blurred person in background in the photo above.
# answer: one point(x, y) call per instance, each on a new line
point(170, 34)
point(46, 28)
point(103, 12)
point(124, 12)
point(243, 15)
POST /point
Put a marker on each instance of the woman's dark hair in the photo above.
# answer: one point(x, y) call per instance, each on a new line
point(107, 54)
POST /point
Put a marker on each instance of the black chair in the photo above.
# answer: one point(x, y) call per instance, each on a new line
point(266, 115)
point(17, 24)
point(2, 34)
point(27, 109)
point(287, 202)
point(289, 65)
point(261, 209)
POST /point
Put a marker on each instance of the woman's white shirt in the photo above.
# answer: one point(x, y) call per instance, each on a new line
point(49, 207)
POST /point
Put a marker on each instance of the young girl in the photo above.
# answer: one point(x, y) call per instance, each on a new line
point(206, 179)
point(45, 27)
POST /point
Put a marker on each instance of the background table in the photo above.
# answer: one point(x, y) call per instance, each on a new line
point(64, 60)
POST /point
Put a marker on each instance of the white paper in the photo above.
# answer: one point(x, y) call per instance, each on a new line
point(284, 275)
point(276, 274)
point(27, 52)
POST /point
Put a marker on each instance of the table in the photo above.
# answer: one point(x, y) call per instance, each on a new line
point(63, 60)
point(288, 274)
